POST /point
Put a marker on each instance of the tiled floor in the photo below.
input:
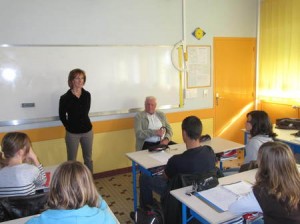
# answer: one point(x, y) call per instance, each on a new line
point(117, 192)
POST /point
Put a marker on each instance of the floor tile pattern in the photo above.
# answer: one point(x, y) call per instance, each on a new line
point(117, 192)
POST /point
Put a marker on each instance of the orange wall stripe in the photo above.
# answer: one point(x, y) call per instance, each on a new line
point(50, 133)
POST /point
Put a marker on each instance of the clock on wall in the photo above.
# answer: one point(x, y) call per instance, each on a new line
point(198, 33)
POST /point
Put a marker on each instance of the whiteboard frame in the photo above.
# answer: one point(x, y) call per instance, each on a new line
point(93, 114)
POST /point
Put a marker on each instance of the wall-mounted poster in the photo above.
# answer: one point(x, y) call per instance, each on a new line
point(199, 72)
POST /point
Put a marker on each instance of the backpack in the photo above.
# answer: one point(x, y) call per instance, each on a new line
point(152, 215)
point(171, 206)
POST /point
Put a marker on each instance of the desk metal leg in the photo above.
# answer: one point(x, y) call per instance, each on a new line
point(183, 211)
point(134, 186)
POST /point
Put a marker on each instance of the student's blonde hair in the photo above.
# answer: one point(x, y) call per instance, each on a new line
point(278, 173)
point(72, 187)
point(11, 143)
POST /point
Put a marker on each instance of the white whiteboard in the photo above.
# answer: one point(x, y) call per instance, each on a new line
point(118, 78)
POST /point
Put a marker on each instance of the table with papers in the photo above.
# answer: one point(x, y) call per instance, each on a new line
point(222, 196)
point(200, 209)
point(144, 160)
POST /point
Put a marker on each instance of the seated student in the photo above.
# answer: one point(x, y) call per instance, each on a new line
point(73, 198)
point(151, 126)
point(259, 126)
point(196, 159)
point(20, 170)
point(276, 191)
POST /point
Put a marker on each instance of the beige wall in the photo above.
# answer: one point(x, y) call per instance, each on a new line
point(109, 147)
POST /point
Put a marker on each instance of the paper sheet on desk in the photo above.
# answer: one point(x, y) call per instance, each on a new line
point(162, 156)
point(222, 196)
point(297, 139)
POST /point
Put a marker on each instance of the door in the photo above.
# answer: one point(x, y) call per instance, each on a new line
point(234, 78)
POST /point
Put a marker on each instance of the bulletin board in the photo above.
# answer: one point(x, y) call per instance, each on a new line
point(199, 66)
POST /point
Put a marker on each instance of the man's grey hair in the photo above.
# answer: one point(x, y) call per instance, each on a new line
point(150, 98)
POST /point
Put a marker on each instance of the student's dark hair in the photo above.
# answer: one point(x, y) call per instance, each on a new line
point(73, 74)
point(11, 143)
point(192, 126)
point(261, 124)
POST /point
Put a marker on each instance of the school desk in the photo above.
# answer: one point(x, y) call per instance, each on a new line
point(144, 160)
point(202, 211)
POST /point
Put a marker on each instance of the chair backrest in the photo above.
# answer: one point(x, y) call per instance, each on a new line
point(248, 166)
point(22, 206)
point(171, 206)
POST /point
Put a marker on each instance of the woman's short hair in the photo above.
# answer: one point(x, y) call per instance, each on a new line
point(11, 143)
point(192, 125)
point(261, 124)
point(72, 187)
point(278, 173)
point(73, 74)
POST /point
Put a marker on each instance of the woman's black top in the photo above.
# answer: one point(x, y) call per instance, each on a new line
point(74, 112)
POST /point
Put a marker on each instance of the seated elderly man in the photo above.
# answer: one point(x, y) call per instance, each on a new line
point(151, 126)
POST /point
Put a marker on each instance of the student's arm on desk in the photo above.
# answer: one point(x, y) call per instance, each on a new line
point(245, 204)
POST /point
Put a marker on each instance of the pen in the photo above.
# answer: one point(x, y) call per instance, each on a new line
point(232, 183)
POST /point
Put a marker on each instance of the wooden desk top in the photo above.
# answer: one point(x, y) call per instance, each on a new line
point(204, 210)
point(154, 159)
point(286, 136)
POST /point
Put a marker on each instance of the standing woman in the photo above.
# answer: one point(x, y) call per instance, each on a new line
point(74, 107)
point(276, 191)
point(20, 170)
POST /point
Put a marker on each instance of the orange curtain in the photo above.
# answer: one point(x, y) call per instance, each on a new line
point(279, 51)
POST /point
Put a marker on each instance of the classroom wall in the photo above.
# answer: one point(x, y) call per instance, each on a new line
point(108, 153)
point(138, 25)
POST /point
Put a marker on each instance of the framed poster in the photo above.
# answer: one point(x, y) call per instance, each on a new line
point(199, 72)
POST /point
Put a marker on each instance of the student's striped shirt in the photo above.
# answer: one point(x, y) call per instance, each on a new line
point(22, 179)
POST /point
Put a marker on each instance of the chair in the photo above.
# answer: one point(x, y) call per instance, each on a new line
point(248, 166)
point(21, 206)
point(171, 206)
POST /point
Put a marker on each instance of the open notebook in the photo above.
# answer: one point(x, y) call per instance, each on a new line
point(222, 196)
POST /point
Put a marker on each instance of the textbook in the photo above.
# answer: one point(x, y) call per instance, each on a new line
point(222, 196)
point(229, 155)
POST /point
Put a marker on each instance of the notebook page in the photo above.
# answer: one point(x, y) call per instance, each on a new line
point(221, 197)
point(239, 188)
point(161, 156)
point(218, 197)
